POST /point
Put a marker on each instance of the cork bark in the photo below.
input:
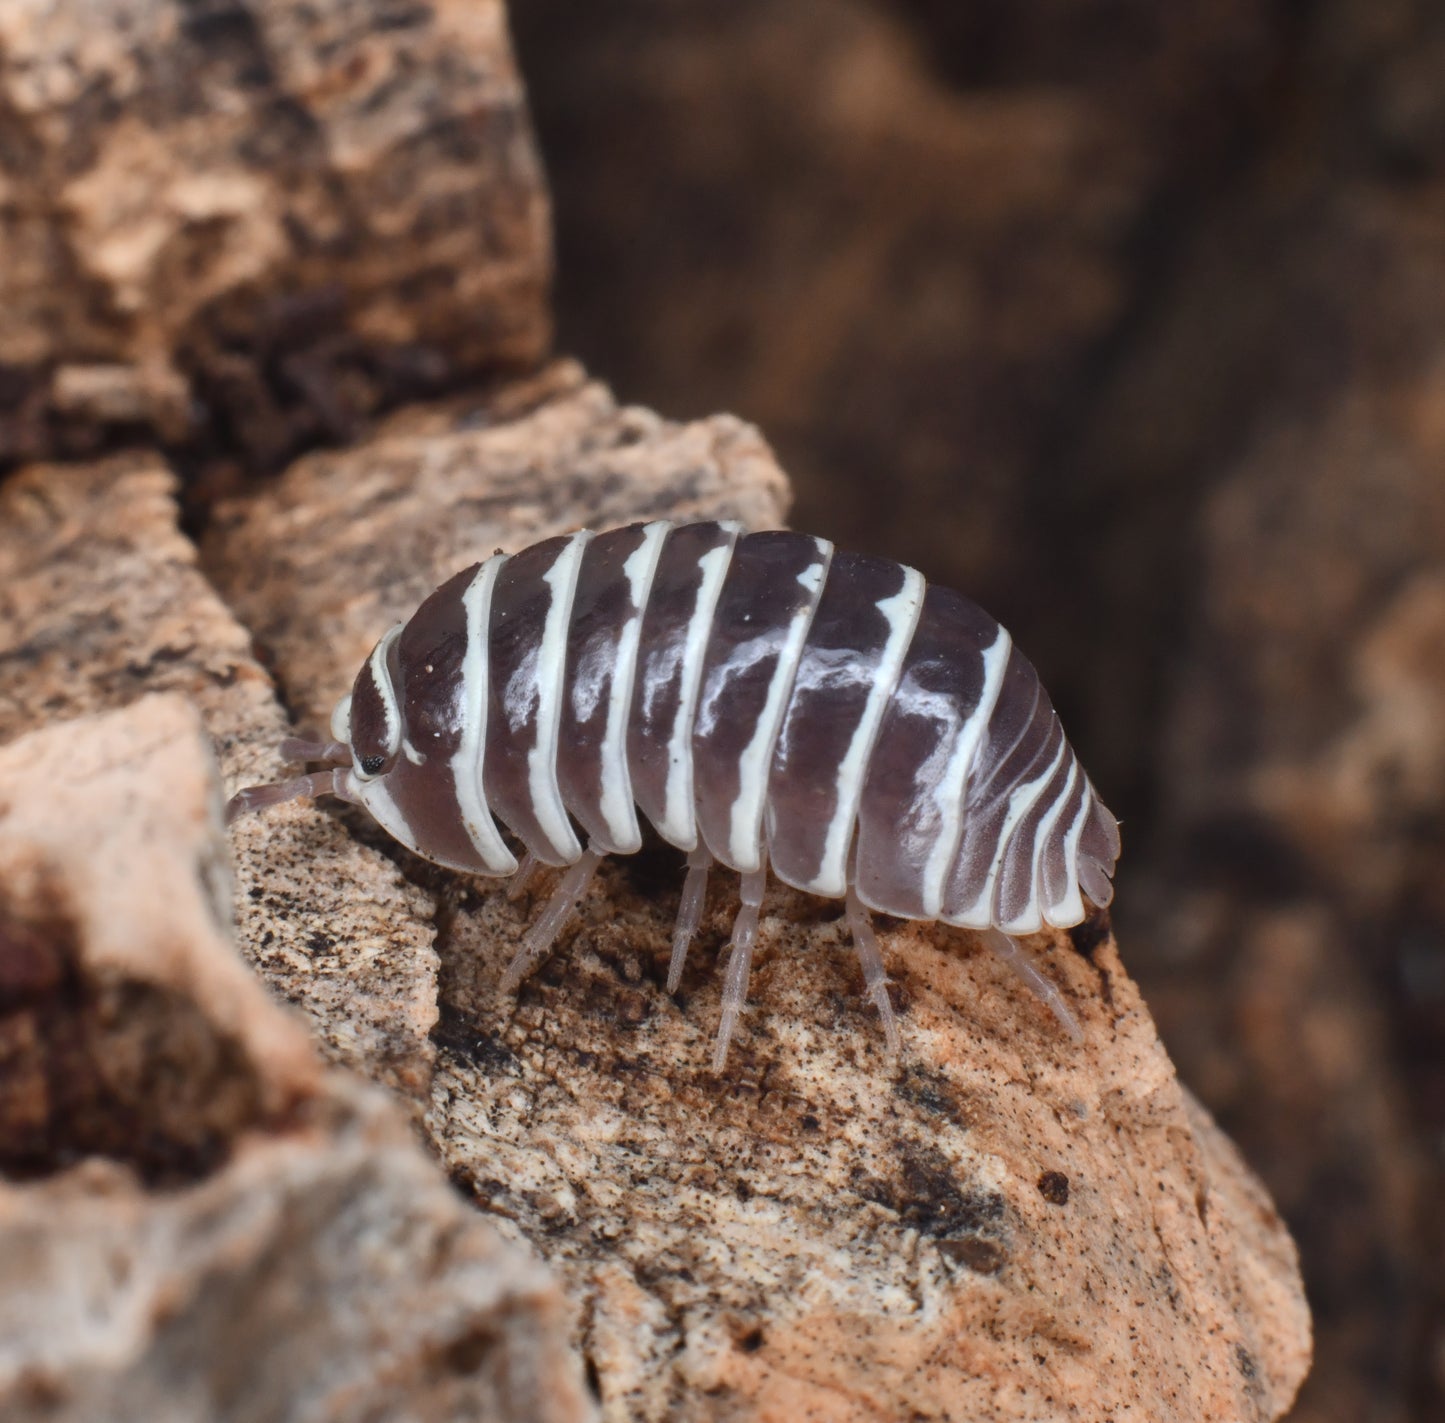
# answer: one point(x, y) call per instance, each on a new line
point(101, 603)
point(237, 230)
point(241, 227)
point(1000, 1222)
point(197, 1220)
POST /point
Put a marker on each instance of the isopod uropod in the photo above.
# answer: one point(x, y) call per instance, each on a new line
point(763, 701)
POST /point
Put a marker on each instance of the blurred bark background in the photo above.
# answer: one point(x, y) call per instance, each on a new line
point(1128, 320)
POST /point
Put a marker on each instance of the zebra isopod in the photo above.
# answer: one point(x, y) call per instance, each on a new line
point(764, 701)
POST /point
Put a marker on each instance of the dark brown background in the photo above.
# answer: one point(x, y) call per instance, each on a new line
point(1129, 320)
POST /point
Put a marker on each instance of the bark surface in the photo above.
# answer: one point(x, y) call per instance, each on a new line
point(101, 603)
point(197, 1220)
point(241, 227)
point(1000, 1223)
point(236, 230)
point(993, 1226)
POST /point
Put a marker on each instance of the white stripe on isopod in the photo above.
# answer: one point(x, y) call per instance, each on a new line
point(1041, 842)
point(679, 821)
point(901, 613)
point(980, 914)
point(745, 819)
point(550, 668)
point(467, 763)
point(949, 792)
point(618, 808)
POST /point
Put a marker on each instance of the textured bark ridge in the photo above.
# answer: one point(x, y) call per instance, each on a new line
point(131, 1030)
point(100, 603)
point(998, 1227)
point(248, 224)
point(995, 1226)
point(250, 1235)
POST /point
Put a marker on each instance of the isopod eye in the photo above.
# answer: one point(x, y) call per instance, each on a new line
point(375, 716)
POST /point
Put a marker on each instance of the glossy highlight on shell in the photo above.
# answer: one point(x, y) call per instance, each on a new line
point(764, 701)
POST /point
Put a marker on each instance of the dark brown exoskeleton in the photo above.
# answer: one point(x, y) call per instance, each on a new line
point(763, 701)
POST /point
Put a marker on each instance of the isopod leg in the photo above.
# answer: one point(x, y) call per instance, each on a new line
point(297, 788)
point(540, 937)
point(522, 876)
point(1013, 955)
point(740, 959)
point(870, 959)
point(689, 912)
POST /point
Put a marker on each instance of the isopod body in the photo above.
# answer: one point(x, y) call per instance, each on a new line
point(763, 700)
